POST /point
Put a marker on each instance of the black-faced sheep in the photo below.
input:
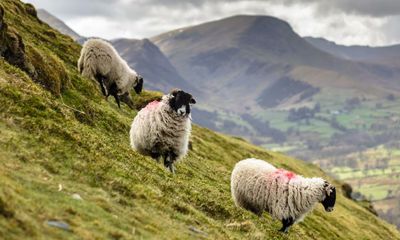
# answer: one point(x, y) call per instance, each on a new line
point(258, 186)
point(162, 129)
point(100, 62)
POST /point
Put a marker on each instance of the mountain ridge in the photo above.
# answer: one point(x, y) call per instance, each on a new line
point(220, 51)
point(381, 55)
point(56, 23)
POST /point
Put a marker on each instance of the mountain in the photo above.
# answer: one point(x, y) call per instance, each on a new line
point(67, 170)
point(389, 55)
point(56, 23)
point(150, 62)
point(262, 55)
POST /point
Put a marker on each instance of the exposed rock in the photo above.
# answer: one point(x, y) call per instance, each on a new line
point(59, 224)
point(197, 231)
point(12, 47)
point(46, 69)
point(76, 196)
point(31, 10)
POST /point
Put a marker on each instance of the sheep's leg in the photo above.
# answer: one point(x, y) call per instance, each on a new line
point(103, 88)
point(126, 98)
point(286, 223)
point(114, 92)
point(155, 155)
point(100, 80)
point(169, 160)
point(166, 160)
point(116, 97)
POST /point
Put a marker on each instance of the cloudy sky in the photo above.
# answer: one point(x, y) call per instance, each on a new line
point(350, 22)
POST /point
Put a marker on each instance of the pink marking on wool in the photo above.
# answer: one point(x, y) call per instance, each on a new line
point(152, 105)
point(285, 173)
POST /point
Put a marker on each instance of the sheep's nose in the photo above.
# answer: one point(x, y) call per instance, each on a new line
point(329, 209)
point(181, 111)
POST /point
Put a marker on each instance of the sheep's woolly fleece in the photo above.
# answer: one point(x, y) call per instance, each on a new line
point(258, 186)
point(98, 57)
point(157, 127)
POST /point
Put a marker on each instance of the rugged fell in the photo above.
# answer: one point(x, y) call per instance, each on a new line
point(60, 138)
point(246, 53)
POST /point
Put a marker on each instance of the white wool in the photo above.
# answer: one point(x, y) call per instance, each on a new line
point(99, 57)
point(258, 186)
point(158, 126)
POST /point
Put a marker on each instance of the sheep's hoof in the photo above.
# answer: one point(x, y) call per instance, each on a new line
point(171, 168)
point(284, 230)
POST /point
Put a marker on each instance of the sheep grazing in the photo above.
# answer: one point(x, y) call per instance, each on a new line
point(162, 129)
point(100, 62)
point(258, 186)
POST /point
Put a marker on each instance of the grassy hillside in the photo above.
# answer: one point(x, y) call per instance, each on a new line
point(59, 137)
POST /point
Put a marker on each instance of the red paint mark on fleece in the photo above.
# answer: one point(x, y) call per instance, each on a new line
point(285, 173)
point(152, 105)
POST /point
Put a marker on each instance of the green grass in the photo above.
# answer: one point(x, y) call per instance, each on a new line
point(277, 119)
point(80, 142)
point(348, 173)
point(375, 192)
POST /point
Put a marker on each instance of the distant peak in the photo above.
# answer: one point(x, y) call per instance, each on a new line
point(248, 16)
point(320, 39)
point(259, 18)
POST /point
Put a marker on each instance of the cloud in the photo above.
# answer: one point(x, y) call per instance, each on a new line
point(365, 22)
point(374, 8)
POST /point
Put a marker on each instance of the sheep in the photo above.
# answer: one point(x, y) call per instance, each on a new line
point(100, 62)
point(162, 128)
point(258, 186)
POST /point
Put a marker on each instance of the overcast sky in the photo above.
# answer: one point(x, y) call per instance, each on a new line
point(350, 22)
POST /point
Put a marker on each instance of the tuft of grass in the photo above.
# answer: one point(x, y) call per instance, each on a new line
point(49, 71)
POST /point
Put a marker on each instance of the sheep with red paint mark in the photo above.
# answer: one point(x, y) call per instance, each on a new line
point(162, 129)
point(258, 186)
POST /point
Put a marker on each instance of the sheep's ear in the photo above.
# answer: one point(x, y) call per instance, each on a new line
point(192, 101)
point(329, 189)
point(175, 91)
point(326, 183)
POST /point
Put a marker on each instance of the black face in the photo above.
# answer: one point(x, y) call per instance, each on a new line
point(330, 198)
point(139, 86)
point(180, 102)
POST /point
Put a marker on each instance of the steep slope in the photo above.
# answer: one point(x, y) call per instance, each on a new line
point(243, 54)
point(150, 62)
point(389, 55)
point(54, 145)
point(56, 23)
